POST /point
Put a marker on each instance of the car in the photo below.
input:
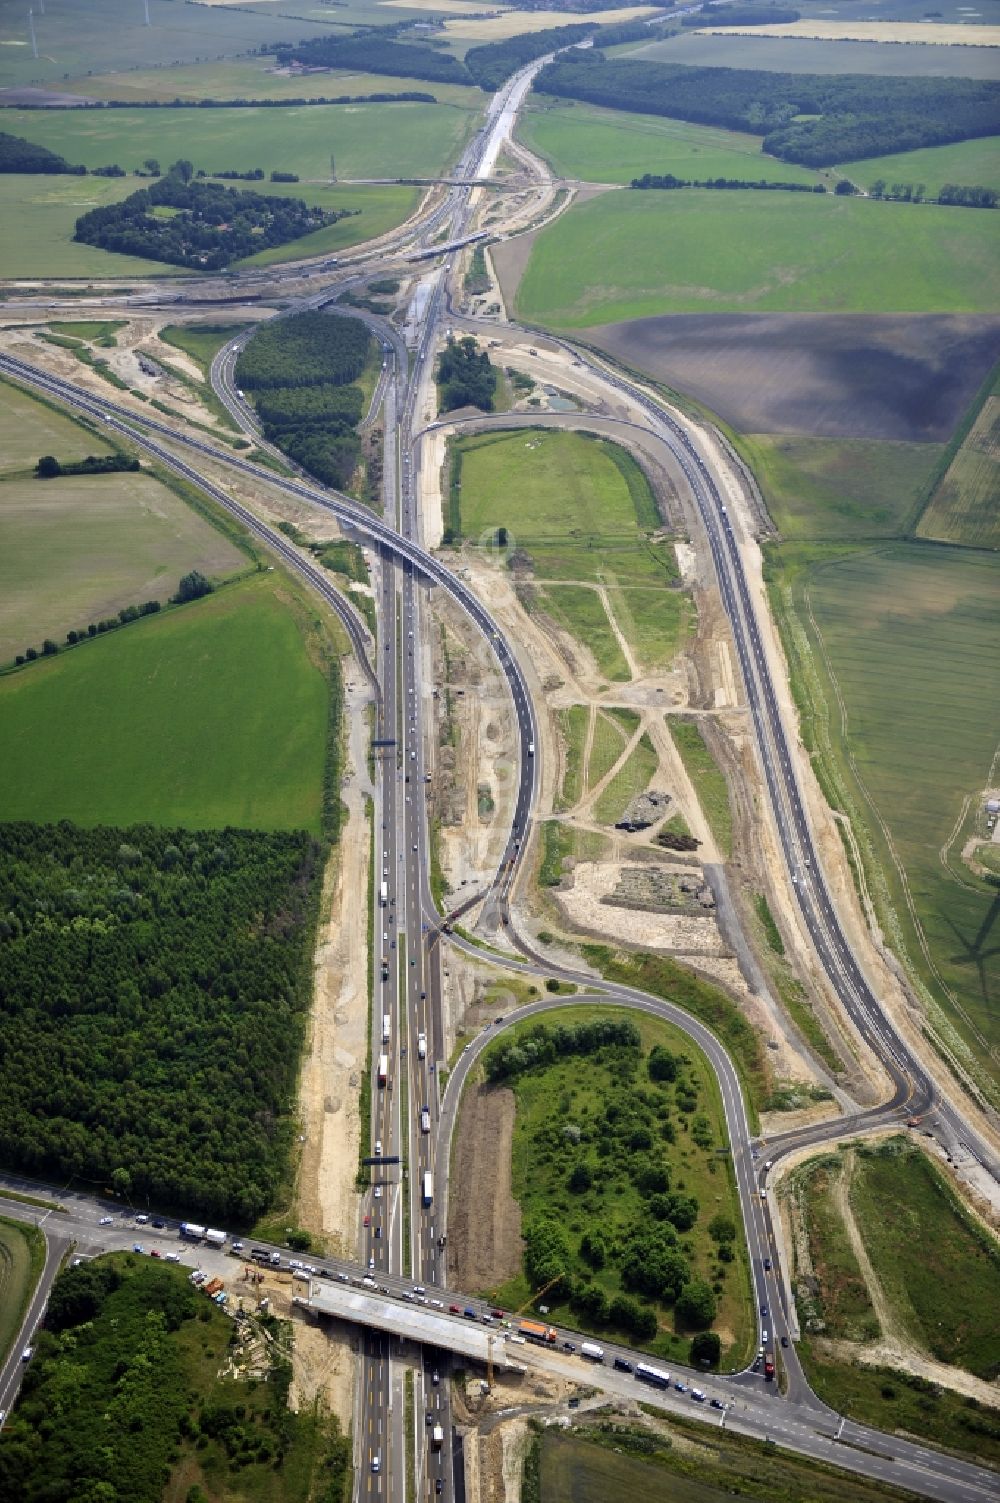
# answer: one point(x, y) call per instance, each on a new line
point(371, 1261)
point(784, 1341)
point(419, 1289)
point(568, 1346)
point(764, 1337)
point(622, 1365)
point(171, 1257)
point(486, 1319)
point(378, 1192)
point(767, 1265)
point(697, 1395)
point(437, 1304)
point(368, 1221)
point(378, 1148)
point(159, 1223)
point(497, 1314)
point(141, 1219)
point(763, 1309)
point(155, 1253)
point(717, 1404)
point(681, 1387)
point(295, 1263)
point(376, 1462)
point(435, 1377)
point(438, 1487)
point(107, 1221)
point(343, 1277)
point(428, 1418)
point(237, 1246)
point(518, 1340)
point(454, 1309)
point(138, 1247)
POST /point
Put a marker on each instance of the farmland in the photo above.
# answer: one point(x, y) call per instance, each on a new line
point(22, 1256)
point(825, 488)
point(679, 1464)
point(908, 379)
point(803, 55)
point(970, 163)
point(601, 1195)
point(963, 505)
point(897, 710)
point(587, 558)
point(612, 146)
point(38, 217)
point(631, 255)
point(381, 209)
point(79, 548)
point(173, 691)
point(368, 140)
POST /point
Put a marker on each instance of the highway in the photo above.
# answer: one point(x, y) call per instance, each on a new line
point(405, 1227)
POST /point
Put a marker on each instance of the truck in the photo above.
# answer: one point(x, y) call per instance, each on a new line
point(592, 1350)
point(215, 1237)
point(192, 1231)
point(428, 1193)
point(383, 1069)
point(383, 894)
point(654, 1375)
point(386, 1027)
point(537, 1330)
point(769, 1367)
point(301, 1275)
point(421, 1046)
point(385, 967)
point(425, 1119)
point(437, 1438)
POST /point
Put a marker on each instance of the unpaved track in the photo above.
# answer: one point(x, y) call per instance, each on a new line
point(484, 1219)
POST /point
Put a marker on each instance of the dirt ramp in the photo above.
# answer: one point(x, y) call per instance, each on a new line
point(890, 376)
point(484, 1219)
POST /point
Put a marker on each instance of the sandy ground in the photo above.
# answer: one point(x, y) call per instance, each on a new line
point(869, 31)
point(484, 1232)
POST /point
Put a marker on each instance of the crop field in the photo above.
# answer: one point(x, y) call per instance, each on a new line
point(941, 1296)
point(31, 428)
point(904, 733)
point(969, 163)
point(707, 777)
point(827, 488)
point(592, 1466)
point(22, 1255)
point(577, 1088)
point(111, 34)
point(381, 209)
point(963, 507)
point(368, 140)
point(38, 215)
point(256, 78)
point(634, 777)
point(243, 748)
point(630, 255)
point(902, 378)
point(803, 55)
point(612, 146)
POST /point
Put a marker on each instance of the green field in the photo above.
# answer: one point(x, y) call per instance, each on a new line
point(164, 722)
point(382, 209)
point(38, 215)
point(897, 704)
point(963, 505)
point(831, 488)
point(573, 723)
point(202, 342)
point(78, 548)
point(670, 1129)
point(841, 1305)
point(942, 1296)
point(609, 741)
point(22, 1257)
point(613, 146)
point(706, 776)
point(679, 1463)
point(629, 255)
point(633, 777)
point(968, 163)
point(368, 140)
point(254, 78)
point(582, 511)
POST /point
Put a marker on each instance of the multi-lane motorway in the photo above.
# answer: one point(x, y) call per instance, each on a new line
point(404, 1212)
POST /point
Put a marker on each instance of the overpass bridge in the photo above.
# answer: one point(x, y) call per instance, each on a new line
point(411, 1322)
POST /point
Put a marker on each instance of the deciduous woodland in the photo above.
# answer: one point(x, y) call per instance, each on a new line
point(153, 990)
point(856, 115)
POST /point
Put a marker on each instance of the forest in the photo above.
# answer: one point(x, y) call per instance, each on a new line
point(857, 115)
point(300, 369)
point(465, 376)
point(154, 986)
point(375, 52)
point(213, 226)
point(741, 15)
point(493, 63)
point(124, 1394)
point(18, 155)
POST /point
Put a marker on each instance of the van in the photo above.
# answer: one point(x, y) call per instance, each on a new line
point(622, 1366)
point(376, 1462)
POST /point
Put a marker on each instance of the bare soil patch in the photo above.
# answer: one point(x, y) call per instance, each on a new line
point(484, 1231)
point(891, 376)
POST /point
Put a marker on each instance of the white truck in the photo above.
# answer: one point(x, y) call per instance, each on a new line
point(215, 1237)
point(383, 893)
point(428, 1194)
point(421, 1046)
point(425, 1119)
point(592, 1350)
point(192, 1231)
point(386, 1027)
point(383, 1069)
point(437, 1438)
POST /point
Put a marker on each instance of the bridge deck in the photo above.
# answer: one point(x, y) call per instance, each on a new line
point(412, 1322)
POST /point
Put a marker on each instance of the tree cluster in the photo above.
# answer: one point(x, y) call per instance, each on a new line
point(490, 65)
point(214, 225)
point(741, 15)
point(283, 102)
point(300, 369)
point(668, 180)
point(465, 376)
point(49, 468)
point(192, 587)
point(125, 616)
point(154, 986)
point(542, 1044)
point(18, 155)
point(856, 115)
point(373, 52)
point(968, 197)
